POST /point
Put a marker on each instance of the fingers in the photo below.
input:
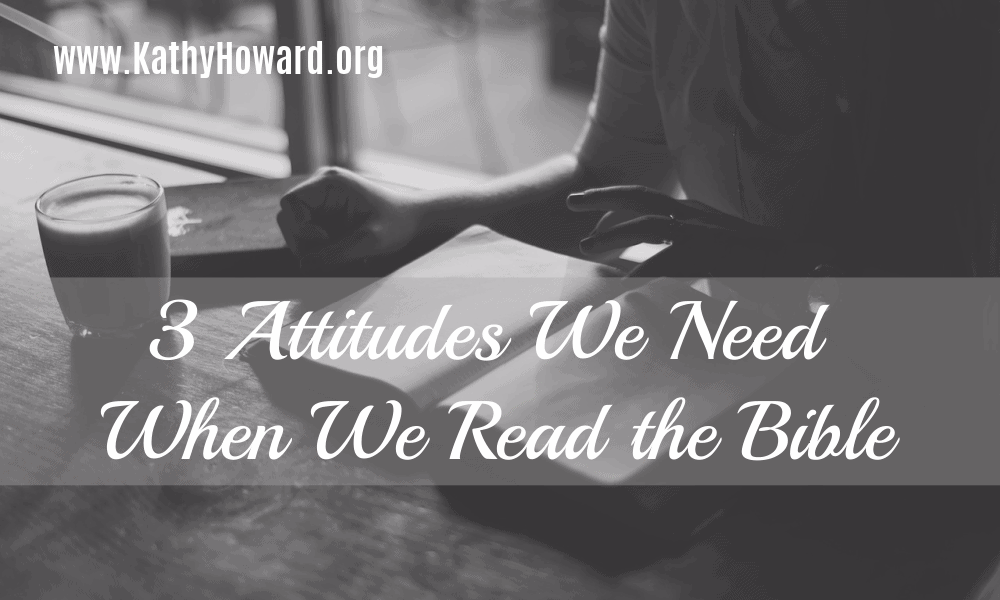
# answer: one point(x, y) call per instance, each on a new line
point(634, 198)
point(651, 229)
point(295, 214)
point(313, 192)
point(311, 238)
point(639, 199)
point(647, 201)
point(614, 218)
point(301, 236)
point(648, 229)
point(305, 211)
point(295, 208)
point(328, 198)
point(289, 230)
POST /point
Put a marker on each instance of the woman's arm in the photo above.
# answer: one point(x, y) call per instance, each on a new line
point(529, 205)
point(337, 217)
point(623, 142)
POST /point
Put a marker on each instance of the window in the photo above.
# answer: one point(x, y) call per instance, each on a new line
point(466, 84)
point(468, 88)
point(233, 123)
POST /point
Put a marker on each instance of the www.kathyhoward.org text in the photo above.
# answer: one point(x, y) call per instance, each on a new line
point(222, 58)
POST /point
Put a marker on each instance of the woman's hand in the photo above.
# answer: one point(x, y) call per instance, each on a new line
point(636, 215)
point(337, 218)
point(704, 241)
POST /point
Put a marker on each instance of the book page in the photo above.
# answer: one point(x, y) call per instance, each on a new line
point(478, 280)
point(570, 391)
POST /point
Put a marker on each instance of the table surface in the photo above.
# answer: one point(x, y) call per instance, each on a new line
point(347, 541)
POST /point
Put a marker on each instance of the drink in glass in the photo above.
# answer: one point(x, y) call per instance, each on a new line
point(107, 251)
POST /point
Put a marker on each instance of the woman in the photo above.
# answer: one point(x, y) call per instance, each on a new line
point(857, 135)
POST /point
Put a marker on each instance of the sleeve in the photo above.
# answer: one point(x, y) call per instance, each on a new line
point(623, 140)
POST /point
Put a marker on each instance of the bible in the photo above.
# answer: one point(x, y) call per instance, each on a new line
point(486, 279)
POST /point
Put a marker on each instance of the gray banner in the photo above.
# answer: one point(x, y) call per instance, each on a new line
point(494, 381)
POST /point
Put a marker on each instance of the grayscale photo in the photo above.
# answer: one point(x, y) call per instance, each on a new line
point(526, 299)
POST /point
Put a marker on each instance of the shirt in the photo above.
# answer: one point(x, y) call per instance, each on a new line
point(777, 111)
point(683, 90)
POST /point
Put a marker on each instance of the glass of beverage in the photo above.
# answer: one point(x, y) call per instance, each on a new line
point(105, 243)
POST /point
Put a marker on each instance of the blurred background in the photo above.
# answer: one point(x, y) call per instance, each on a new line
point(483, 86)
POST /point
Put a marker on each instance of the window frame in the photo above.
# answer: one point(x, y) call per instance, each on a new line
point(222, 145)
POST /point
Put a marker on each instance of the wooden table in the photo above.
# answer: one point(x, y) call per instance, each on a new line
point(363, 540)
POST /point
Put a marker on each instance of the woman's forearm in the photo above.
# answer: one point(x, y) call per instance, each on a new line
point(529, 205)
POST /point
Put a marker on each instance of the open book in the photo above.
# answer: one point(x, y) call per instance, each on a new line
point(485, 279)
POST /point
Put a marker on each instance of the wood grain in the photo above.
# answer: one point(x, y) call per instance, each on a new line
point(157, 539)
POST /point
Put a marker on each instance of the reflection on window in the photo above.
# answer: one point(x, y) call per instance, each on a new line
point(483, 85)
point(470, 83)
point(230, 124)
point(251, 98)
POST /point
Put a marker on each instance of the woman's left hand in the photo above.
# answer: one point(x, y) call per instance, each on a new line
point(637, 214)
point(704, 241)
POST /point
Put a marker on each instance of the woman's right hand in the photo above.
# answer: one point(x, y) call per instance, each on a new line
point(337, 218)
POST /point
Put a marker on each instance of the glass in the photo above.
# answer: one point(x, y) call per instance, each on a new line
point(246, 109)
point(470, 84)
point(253, 98)
point(106, 247)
